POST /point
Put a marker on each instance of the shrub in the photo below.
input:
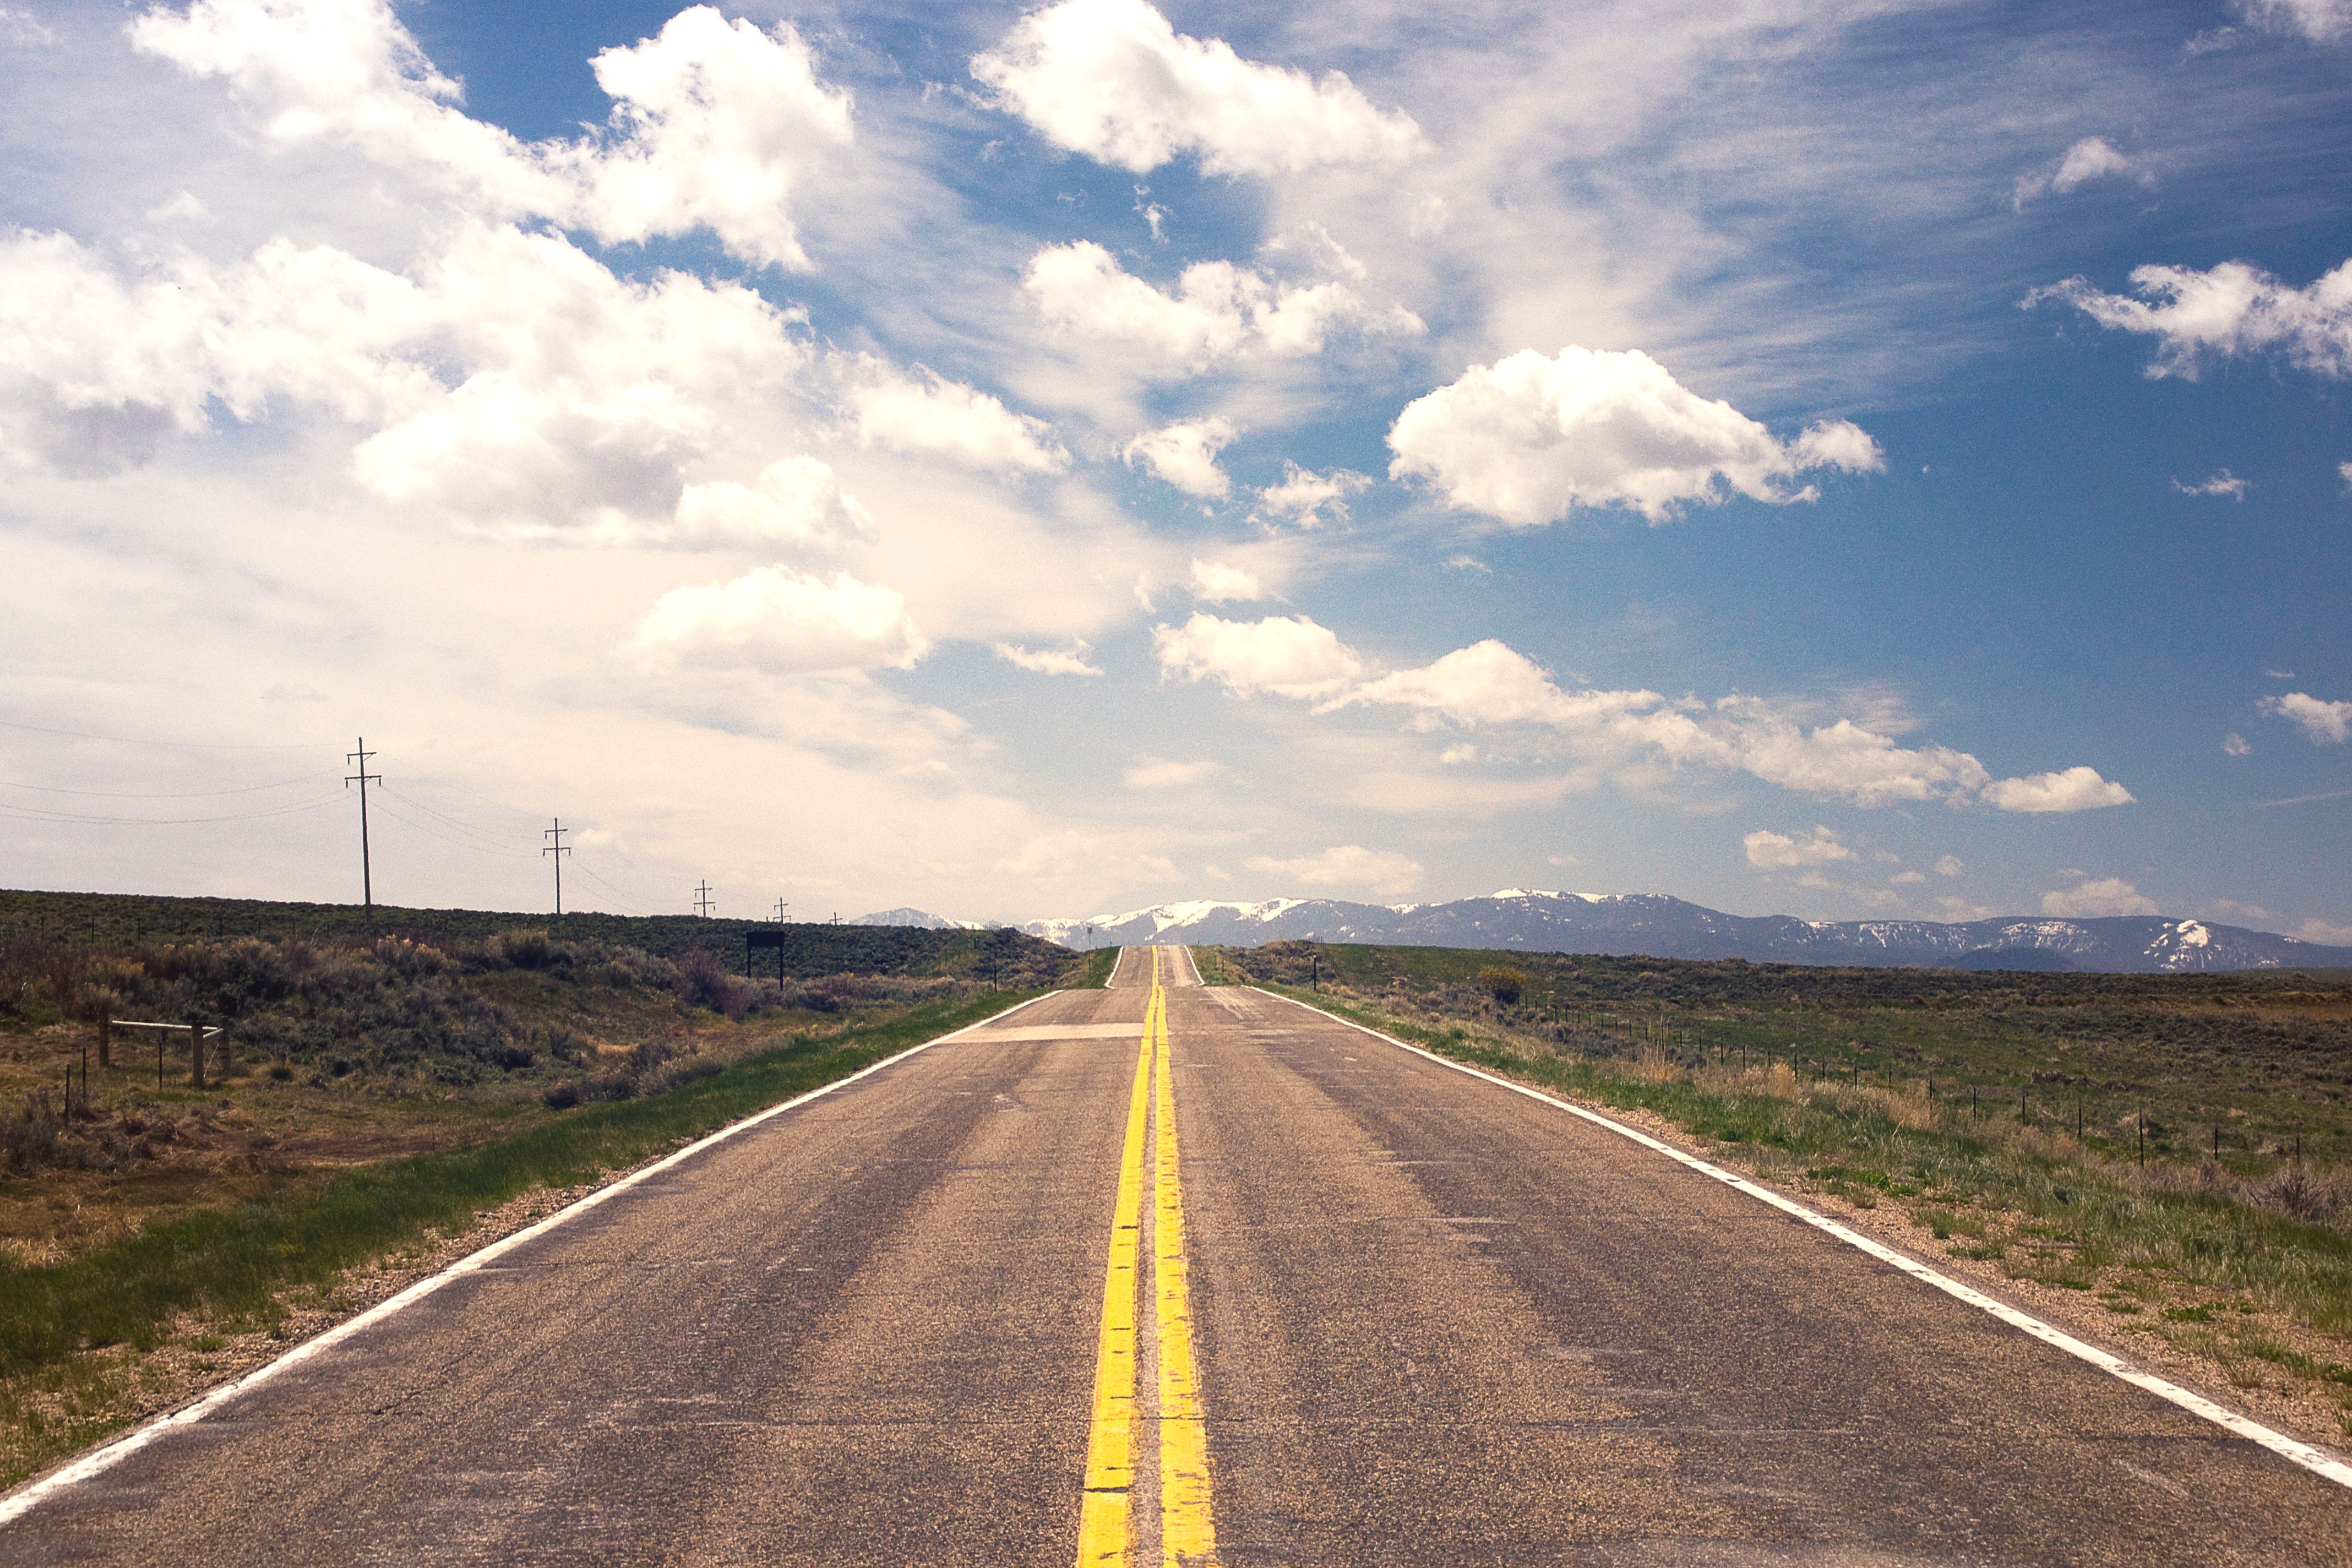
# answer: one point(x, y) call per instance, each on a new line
point(1504, 982)
point(562, 1097)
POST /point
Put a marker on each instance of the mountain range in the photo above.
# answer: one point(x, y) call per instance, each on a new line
point(1665, 927)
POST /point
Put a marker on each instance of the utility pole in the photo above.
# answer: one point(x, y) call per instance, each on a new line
point(781, 907)
point(363, 778)
point(703, 902)
point(558, 849)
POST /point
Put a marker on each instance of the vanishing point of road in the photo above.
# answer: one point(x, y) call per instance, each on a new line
point(1164, 1273)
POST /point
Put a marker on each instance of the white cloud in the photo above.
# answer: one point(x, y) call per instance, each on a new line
point(1160, 772)
point(1214, 582)
point(1468, 563)
point(2237, 910)
point(1289, 656)
point(1186, 455)
point(2323, 722)
point(715, 124)
point(2321, 21)
point(2073, 789)
point(2106, 896)
point(925, 413)
point(1491, 683)
point(2224, 483)
point(1110, 78)
point(1070, 660)
point(1529, 437)
point(2234, 744)
point(1769, 851)
point(2344, 472)
point(2325, 931)
point(2230, 310)
point(796, 501)
point(2092, 158)
point(1949, 866)
point(1218, 311)
point(1381, 872)
point(1308, 499)
point(1907, 878)
point(781, 622)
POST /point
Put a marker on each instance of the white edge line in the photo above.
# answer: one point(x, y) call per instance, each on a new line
point(2316, 1461)
point(98, 1462)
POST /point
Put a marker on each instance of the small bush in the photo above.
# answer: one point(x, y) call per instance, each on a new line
point(562, 1097)
point(1504, 982)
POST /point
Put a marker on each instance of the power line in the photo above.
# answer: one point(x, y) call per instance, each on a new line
point(161, 795)
point(488, 836)
point(39, 813)
point(136, 741)
point(640, 905)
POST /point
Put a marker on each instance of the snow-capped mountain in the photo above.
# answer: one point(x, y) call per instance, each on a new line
point(1663, 927)
point(922, 919)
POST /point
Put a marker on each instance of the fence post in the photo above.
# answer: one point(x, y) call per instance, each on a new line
point(105, 1039)
point(197, 1049)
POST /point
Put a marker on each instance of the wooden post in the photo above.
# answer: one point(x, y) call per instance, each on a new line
point(105, 1039)
point(197, 1049)
point(227, 1054)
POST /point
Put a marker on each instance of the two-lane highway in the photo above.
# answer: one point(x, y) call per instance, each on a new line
point(1163, 1272)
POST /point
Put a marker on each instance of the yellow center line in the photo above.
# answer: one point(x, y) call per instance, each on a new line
point(1104, 1530)
point(1187, 1524)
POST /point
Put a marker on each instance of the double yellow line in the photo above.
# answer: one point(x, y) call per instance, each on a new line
point(1187, 1525)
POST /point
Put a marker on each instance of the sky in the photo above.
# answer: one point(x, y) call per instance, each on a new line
point(1844, 457)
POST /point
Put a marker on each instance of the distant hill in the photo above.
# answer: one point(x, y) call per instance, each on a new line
point(920, 919)
point(1664, 927)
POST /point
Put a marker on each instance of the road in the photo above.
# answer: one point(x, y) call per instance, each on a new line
point(1162, 1272)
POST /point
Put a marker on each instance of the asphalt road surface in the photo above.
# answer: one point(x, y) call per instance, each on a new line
point(1163, 1272)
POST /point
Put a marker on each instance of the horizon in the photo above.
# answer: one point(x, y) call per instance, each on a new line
point(1861, 467)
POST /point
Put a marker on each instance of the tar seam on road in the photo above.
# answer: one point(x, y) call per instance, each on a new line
point(1103, 1526)
point(99, 1461)
point(2316, 1461)
point(1187, 1522)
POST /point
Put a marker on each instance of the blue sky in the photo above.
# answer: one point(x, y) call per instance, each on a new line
point(1043, 462)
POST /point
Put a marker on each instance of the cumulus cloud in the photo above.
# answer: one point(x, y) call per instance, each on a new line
point(1949, 866)
point(1907, 878)
point(1218, 310)
point(2072, 789)
point(1214, 582)
point(1308, 499)
point(1070, 660)
point(1113, 80)
point(714, 125)
point(1382, 872)
point(1160, 772)
point(1531, 436)
point(2224, 483)
point(2327, 932)
point(1769, 851)
point(2234, 744)
point(2321, 21)
point(2104, 896)
point(2328, 722)
point(2092, 158)
point(1186, 455)
point(796, 501)
point(2229, 311)
point(1492, 683)
point(925, 413)
point(781, 622)
point(1289, 656)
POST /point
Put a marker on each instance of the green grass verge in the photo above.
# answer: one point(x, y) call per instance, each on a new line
point(235, 1264)
point(1099, 963)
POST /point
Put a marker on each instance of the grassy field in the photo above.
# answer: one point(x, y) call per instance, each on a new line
point(810, 950)
point(376, 1085)
point(1953, 1099)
